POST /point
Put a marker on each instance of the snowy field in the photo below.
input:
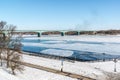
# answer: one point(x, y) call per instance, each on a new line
point(32, 74)
point(94, 70)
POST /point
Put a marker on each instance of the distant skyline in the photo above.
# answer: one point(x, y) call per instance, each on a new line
point(61, 14)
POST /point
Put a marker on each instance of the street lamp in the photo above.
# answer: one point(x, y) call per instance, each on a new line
point(62, 60)
point(115, 61)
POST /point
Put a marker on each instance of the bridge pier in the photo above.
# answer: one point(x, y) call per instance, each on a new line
point(39, 34)
point(62, 33)
point(78, 33)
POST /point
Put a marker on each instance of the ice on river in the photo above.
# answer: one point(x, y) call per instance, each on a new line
point(72, 45)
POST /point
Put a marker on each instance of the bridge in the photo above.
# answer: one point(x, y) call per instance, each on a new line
point(39, 32)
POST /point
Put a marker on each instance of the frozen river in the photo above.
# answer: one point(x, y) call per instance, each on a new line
point(81, 47)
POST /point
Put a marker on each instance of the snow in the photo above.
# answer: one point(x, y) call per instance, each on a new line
point(6, 76)
point(53, 42)
point(90, 69)
point(67, 45)
point(57, 52)
point(35, 74)
point(61, 46)
point(78, 67)
point(92, 38)
point(107, 66)
point(32, 74)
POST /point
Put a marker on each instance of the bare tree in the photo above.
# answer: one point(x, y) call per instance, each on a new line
point(14, 55)
point(14, 63)
point(2, 38)
point(10, 46)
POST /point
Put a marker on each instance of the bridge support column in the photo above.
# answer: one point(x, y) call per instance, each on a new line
point(39, 34)
point(78, 33)
point(62, 33)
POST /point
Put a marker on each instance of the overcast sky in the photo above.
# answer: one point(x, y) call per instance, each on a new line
point(61, 14)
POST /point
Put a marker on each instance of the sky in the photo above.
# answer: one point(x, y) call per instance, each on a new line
point(61, 14)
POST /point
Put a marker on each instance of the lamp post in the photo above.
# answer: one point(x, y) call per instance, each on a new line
point(115, 61)
point(62, 60)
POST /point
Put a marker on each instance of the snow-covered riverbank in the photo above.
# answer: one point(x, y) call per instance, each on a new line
point(94, 70)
